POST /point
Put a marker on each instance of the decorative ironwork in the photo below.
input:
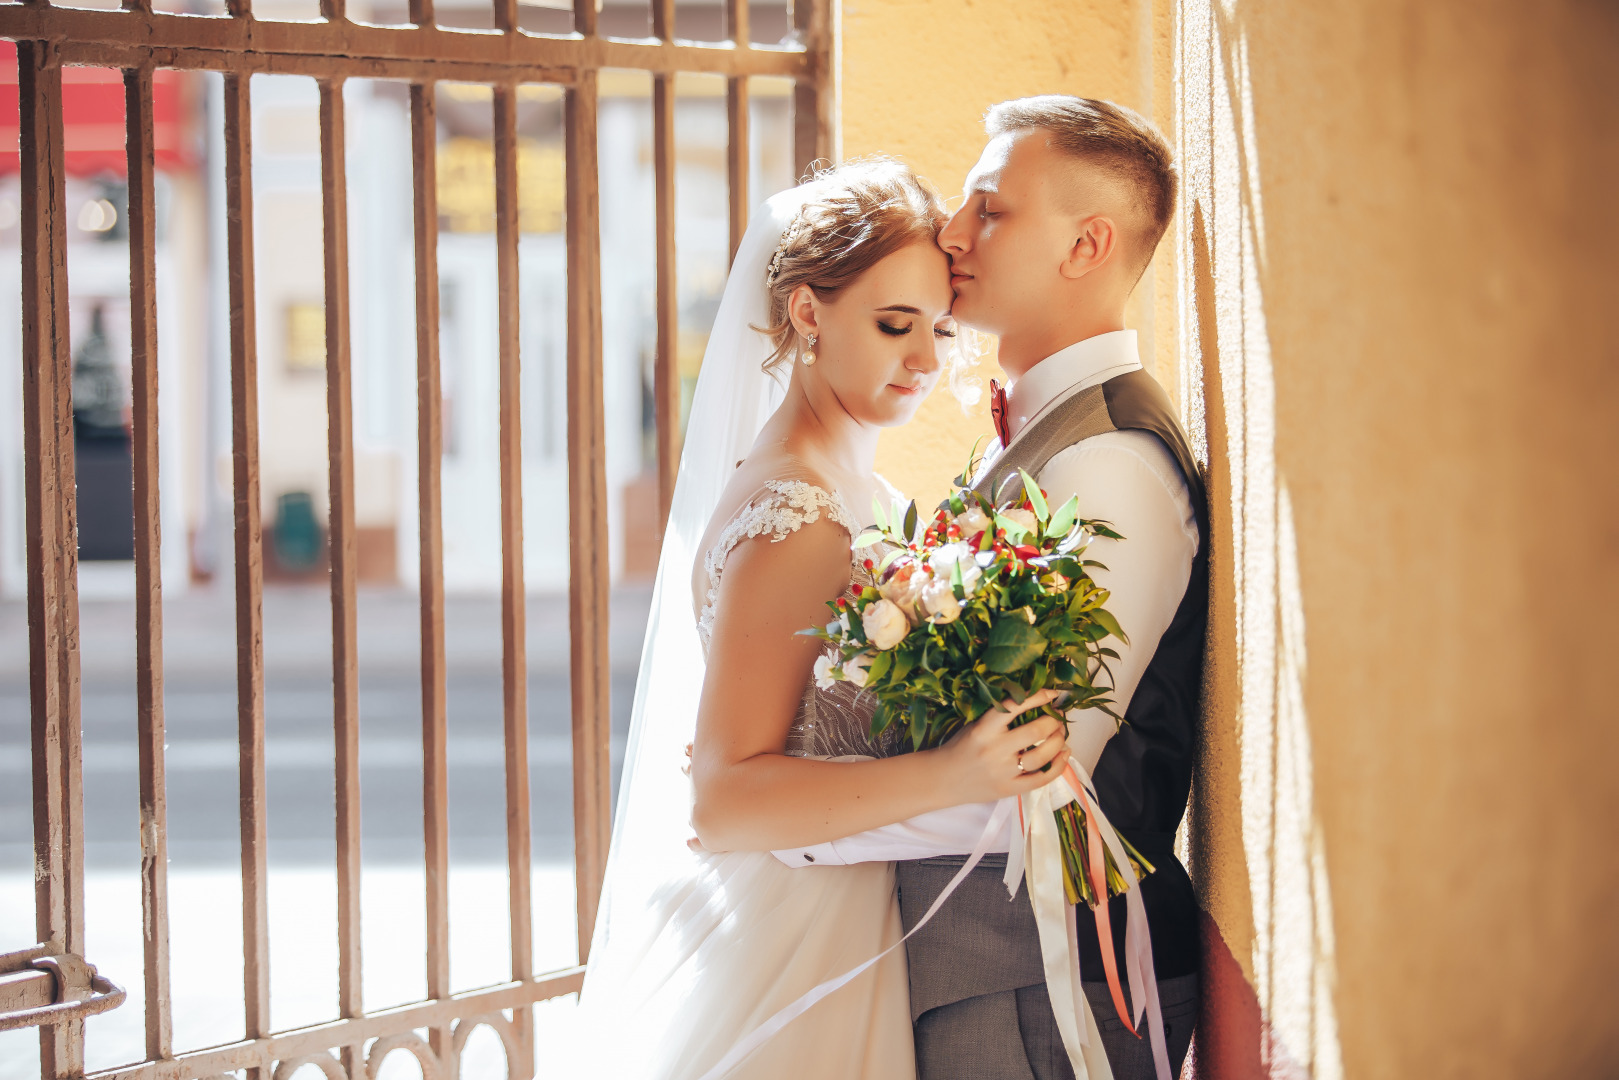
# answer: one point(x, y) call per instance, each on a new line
point(140, 41)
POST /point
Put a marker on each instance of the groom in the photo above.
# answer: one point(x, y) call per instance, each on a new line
point(1063, 213)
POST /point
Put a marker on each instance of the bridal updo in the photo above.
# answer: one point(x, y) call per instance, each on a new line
point(870, 208)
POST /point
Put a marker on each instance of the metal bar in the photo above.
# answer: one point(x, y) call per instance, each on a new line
point(350, 48)
point(663, 20)
point(666, 372)
point(52, 540)
point(261, 1053)
point(340, 483)
point(736, 158)
point(244, 394)
point(814, 100)
point(148, 560)
point(317, 67)
point(430, 457)
point(588, 569)
point(514, 668)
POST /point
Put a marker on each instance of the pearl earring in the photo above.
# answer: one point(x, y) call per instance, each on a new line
point(809, 354)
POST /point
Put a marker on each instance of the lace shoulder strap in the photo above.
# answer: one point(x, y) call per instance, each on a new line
point(780, 508)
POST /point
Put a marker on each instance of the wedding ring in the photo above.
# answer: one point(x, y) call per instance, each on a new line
point(1020, 767)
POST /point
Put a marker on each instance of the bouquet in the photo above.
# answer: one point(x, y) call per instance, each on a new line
point(985, 602)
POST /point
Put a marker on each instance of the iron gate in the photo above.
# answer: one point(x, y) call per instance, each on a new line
point(50, 985)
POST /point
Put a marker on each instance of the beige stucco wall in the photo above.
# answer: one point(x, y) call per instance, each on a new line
point(1402, 238)
point(1388, 314)
point(916, 78)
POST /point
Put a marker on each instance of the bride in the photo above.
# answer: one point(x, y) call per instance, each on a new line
point(839, 292)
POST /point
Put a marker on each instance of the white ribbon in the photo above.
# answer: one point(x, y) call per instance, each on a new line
point(768, 1030)
point(1039, 862)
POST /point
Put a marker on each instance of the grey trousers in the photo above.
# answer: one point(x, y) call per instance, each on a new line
point(951, 1042)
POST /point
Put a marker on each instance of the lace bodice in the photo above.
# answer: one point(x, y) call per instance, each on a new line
point(829, 723)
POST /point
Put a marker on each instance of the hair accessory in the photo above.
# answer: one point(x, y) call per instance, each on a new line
point(809, 355)
point(794, 227)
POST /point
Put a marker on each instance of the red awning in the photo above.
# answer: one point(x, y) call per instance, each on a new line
point(93, 119)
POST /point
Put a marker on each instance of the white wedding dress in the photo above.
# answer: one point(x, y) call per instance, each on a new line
point(693, 951)
point(739, 936)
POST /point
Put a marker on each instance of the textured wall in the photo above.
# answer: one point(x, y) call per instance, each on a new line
point(916, 78)
point(1398, 329)
point(1388, 314)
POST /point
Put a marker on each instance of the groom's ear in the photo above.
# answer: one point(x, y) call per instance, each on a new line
point(801, 311)
point(1095, 243)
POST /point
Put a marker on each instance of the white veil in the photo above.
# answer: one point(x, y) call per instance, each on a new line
point(734, 398)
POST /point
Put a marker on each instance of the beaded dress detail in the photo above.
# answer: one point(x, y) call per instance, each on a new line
point(830, 723)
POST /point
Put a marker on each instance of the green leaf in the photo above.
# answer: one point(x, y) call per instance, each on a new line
point(1101, 528)
point(880, 514)
point(879, 667)
point(1031, 491)
point(909, 530)
point(904, 661)
point(1013, 529)
point(1006, 495)
point(1106, 620)
point(1013, 645)
point(1063, 520)
point(888, 560)
point(868, 538)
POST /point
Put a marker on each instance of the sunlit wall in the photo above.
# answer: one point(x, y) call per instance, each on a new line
point(1385, 313)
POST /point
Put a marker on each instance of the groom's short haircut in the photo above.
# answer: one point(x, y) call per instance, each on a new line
point(1104, 134)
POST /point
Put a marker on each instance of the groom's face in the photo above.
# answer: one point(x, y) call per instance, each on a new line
point(1013, 230)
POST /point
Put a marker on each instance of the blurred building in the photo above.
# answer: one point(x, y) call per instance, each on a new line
point(193, 323)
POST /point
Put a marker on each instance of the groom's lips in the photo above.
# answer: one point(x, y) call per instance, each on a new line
point(957, 277)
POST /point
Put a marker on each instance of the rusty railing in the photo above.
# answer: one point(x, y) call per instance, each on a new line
point(51, 982)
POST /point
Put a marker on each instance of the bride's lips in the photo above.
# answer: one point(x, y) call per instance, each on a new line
point(907, 391)
point(958, 276)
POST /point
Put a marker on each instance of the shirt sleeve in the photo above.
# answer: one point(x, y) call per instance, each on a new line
point(1128, 479)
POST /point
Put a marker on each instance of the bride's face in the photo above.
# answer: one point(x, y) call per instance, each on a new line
point(882, 340)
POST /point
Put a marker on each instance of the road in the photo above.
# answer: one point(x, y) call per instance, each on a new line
point(200, 712)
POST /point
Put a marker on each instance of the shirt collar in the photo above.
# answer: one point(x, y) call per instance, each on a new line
point(1082, 364)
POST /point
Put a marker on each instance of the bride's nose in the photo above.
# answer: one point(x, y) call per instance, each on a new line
point(923, 361)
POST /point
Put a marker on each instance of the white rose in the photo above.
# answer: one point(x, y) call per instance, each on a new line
point(858, 667)
point(943, 561)
point(885, 624)
point(939, 601)
point(904, 587)
point(823, 672)
point(1023, 517)
point(972, 521)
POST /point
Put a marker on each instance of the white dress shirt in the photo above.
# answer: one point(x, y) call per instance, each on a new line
point(1128, 478)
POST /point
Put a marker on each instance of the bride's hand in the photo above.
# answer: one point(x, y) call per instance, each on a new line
point(992, 759)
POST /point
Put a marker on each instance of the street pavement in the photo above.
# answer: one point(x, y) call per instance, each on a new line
point(204, 872)
point(200, 713)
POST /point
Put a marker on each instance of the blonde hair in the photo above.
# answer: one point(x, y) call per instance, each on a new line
point(1107, 135)
point(870, 208)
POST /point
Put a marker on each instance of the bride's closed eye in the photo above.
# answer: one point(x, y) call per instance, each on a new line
point(901, 331)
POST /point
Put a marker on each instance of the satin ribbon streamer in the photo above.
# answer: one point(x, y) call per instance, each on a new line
point(768, 1030)
point(1039, 862)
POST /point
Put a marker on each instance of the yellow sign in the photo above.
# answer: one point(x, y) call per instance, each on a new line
point(466, 186)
